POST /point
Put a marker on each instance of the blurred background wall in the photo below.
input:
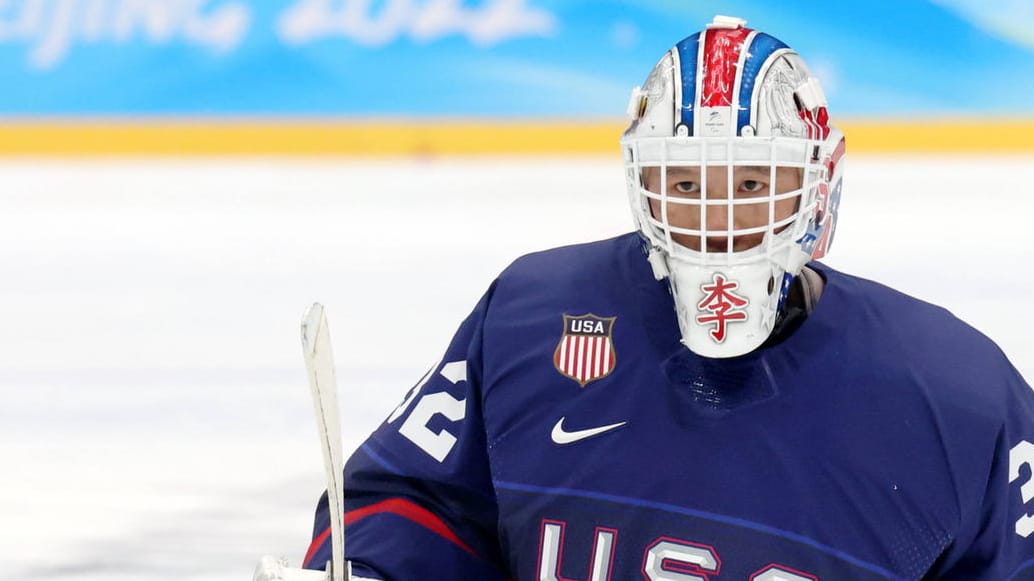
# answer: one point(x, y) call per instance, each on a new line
point(477, 76)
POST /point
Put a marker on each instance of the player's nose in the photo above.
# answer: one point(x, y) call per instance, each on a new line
point(717, 215)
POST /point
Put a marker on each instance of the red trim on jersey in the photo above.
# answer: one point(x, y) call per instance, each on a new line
point(396, 506)
point(722, 48)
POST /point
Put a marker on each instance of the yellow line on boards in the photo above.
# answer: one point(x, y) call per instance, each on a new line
point(418, 138)
point(956, 136)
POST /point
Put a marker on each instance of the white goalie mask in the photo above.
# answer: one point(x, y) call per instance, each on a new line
point(734, 178)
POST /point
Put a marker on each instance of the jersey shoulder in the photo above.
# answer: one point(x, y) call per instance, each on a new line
point(576, 262)
point(909, 337)
point(597, 275)
point(909, 320)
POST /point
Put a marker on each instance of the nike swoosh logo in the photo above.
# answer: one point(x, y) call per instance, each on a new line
point(561, 436)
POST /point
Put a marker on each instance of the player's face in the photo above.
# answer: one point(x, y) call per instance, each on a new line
point(684, 210)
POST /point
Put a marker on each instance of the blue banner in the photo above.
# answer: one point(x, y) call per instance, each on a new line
point(495, 58)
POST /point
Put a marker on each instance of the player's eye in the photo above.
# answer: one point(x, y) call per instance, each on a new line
point(752, 186)
point(686, 187)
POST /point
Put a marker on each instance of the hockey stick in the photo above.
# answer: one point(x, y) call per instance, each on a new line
point(319, 362)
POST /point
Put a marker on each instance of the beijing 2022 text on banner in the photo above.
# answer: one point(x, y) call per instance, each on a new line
point(493, 58)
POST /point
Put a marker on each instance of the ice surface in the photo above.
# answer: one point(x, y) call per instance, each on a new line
point(154, 417)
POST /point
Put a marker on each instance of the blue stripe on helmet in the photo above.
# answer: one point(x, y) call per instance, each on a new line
point(688, 49)
point(760, 51)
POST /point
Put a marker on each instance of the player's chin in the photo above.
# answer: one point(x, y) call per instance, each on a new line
point(719, 244)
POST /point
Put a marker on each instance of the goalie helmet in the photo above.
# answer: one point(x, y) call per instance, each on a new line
point(739, 107)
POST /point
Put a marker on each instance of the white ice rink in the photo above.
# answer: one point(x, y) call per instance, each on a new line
point(154, 417)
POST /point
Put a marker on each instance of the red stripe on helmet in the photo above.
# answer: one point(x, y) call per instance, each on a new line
point(817, 122)
point(722, 48)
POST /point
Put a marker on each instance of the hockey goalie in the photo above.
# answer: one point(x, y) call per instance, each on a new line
point(701, 399)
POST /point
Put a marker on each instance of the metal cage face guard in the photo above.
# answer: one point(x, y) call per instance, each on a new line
point(779, 231)
point(731, 105)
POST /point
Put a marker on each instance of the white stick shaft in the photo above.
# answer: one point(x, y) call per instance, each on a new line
point(319, 361)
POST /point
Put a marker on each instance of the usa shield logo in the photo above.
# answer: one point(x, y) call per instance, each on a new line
point(586, 349)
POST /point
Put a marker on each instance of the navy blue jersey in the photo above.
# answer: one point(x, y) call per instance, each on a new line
point(568, 435)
